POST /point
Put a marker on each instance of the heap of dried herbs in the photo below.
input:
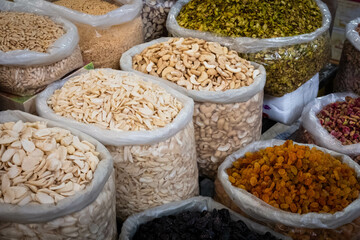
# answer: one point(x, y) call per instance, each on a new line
point(251, 18)
point(289, 67)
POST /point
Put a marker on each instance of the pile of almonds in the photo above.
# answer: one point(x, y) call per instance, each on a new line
point(342, 120)
point(41, 164)
point(27, 31)
point(115, 101)
point(196, 65)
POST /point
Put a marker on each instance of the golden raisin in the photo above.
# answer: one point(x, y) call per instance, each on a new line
point(296, 178)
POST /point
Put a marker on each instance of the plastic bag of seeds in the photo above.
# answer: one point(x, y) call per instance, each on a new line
point(147, 127)
point(321, 136)
point(348, 75)
point(47, 193)
point(106, 28)
point(154, 15)
point(28, 61)
point(288, 108)
point(289, 61)
point(342, 224)
point(225, 120)
point(132, 224)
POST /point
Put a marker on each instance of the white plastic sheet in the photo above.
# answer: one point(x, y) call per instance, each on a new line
point(321, 136)
point(60, 49)
point(131, 225)
point(35, 213)
point(288, 108)
point(242, 94)
point(121, 138)
point(258, 209)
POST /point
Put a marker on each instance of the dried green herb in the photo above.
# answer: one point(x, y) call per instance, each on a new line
point(251, 18)
point(289, 67)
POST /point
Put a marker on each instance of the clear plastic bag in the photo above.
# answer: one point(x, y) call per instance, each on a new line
point(289, 67)
point(28, 80)
point(221, 129)
point(152, 175)
point(96, 221)
point(140, 156)
point(320, 135)
point(103, 38)
point(89, 214)
point(289, 61)
point(258, 209)
point(224, 121)
point(154, 15)
point(131, 225)
point(348, 75)
point(24, 72)
point(62, 47)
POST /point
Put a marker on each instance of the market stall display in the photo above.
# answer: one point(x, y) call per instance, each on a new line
point(154, 15)
point(35, 49)
point(56, 183)
point(184, 117)
point(295, 213)
point(146, 126)
point(348, 76)
point(106, 29)
point(227, 90)
point(292, 49)
point(198, 211)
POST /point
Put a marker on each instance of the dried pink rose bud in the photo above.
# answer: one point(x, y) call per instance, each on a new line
point(342, 120)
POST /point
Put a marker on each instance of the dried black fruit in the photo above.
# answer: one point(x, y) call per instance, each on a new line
point(205, 225)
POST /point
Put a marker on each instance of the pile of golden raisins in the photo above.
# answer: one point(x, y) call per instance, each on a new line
point(296, 178)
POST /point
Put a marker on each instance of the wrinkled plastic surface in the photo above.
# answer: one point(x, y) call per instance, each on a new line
point(103, 38)
point(221, 129)
point(244, 44)
point(289, 67)
point(242, 94)
point(60, 49)
point(97, 221)
point(352, 35)
point(27, 81)
point(288, 108)
point(348, 75)
point(103, 47)
point(129, 10)
point(258, 209)
point(33, 213)
point(321, 136)
point(121, 138)
point(131, 225)
point(152, 175)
